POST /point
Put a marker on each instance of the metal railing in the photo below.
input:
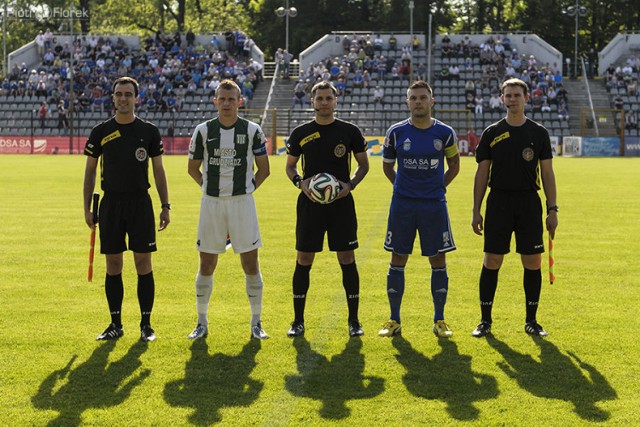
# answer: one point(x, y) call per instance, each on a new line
point(585, 79)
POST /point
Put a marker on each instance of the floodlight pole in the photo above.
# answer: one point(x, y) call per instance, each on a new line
point(5, 65)
point(577, 11)
point(286, 12)
point(411, 6)
point(71, 80)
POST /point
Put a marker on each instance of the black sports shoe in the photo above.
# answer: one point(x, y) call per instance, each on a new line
point(483, 329)
point(147, 333)
point(535, 329)
point(355, 329)
point(112, 332)
point(296, 329)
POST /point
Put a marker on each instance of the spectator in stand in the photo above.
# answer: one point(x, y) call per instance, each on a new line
point(358, 80)
point(191, 38)
point(366, 79)
point(377, 43)
point(545, 107)
point(631, 120)
point(393, 42)
point(562, 95)
point(454, 72)
point(39, 41)
point(470, 102)
point(495, 103)
point(378, 95)
point(341, 86)
point(479, 107)
point(470, 88)
point(421, 72)
point(563, 112)
point(42, 114)
point(299, 94)
point(618, 102)
point(63, 122)
point(346, 43)
point(415, 43)
point(247, 89)
point(632, 88)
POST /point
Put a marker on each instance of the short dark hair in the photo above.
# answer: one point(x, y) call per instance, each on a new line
point(324, 85)
point(514, 82)
point(228, 84)
point(125, 80)
point(420, 84)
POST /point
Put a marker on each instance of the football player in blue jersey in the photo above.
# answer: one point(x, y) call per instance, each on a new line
point(414, 154)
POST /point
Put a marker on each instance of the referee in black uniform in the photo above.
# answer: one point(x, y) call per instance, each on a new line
point(325, 145)
point(513, 155)
point(124, 144)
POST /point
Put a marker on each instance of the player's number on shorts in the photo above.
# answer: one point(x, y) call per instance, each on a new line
point(388, 239)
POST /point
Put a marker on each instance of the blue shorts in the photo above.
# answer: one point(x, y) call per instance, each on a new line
point(430, 218)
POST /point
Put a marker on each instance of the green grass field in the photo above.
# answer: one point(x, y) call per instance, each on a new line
point(53, 372)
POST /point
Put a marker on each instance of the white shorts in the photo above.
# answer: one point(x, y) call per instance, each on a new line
point(234, 216)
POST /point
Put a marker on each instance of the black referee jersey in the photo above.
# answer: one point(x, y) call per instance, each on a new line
point(326, 148)
point(515, 152)
point(125, 151)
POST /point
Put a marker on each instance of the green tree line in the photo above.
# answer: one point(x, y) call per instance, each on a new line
point(603, 20)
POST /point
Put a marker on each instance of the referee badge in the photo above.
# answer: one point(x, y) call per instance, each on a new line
point(141, 154)
point(527, 154)
point(340, 150)
point(437, 144)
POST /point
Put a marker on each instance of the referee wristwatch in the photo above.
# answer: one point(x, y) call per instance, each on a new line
point(166, 206)
point(552, 208)
point(297, 181)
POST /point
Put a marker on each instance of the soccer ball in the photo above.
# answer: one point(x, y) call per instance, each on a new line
point(324, 188)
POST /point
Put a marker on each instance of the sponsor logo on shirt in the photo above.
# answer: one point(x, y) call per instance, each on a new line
point(309, 138)
point(499, 138)
point(110, 137)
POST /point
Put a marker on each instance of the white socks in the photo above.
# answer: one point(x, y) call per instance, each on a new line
point(254, 288)
point(204, 287)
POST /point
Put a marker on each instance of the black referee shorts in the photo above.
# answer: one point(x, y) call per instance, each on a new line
point(338, 220)
point(509, 212)
point(123, 215)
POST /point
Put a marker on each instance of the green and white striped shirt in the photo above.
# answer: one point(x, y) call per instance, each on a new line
point(227, 156)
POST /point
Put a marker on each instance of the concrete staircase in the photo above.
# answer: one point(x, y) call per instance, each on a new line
point(580, 116)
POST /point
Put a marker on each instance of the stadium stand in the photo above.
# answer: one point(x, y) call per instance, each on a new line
point(621, 81)
point(177, 76)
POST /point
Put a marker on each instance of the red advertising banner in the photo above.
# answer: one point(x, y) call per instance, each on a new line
point(75, 145)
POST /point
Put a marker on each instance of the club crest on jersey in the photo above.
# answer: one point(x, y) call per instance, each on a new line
point(437, 144)
point(406, 144)
point(527, 154)
point(241, 139)
point(141, 154)
point(340, 150)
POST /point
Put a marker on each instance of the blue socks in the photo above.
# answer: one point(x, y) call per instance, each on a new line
point(439, 290)
point(395, 290)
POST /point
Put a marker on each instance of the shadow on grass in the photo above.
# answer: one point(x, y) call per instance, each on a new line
point(95, 383)
point(447, 377)
point(335, 381)
point(557, 376)
point(212, 382)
